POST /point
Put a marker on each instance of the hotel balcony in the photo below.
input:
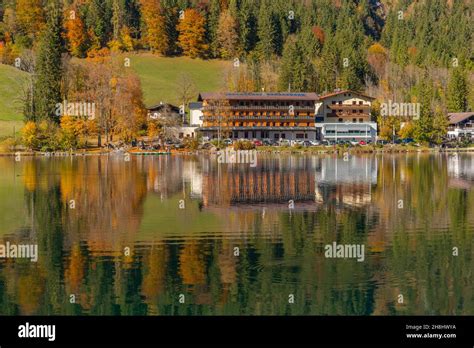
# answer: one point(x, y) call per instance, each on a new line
point(264, 108)
point(256, 118)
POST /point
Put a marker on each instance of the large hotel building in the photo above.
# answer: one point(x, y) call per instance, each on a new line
point(341, 115)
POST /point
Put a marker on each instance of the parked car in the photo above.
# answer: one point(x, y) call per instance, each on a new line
point(257, 142)
point(284, 142)
point(407, 141)
point(307, 143)
point(382, 142)
point(362, 142)
point(268, 142)
point(228, 141)
point(355, 142)
point(315, 142)
point(297, 142)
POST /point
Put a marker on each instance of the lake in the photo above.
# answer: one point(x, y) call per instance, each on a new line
point(186, 235)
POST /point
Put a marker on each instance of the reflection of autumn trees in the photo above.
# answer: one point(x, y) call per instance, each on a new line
point(409, 250)
point(192, 264)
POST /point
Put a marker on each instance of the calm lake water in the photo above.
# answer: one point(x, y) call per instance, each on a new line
point(142, 237)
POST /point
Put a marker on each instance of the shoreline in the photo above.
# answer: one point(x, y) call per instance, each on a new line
point(262, 149)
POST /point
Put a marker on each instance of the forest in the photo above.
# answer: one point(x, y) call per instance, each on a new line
point(398, 50)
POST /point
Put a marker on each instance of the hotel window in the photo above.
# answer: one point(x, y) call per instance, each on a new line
point(340, 120)
point(299, 136)
point(361, 103)
point(333, 102)
point(354, 120)
point(361, 120)
point(354, 102)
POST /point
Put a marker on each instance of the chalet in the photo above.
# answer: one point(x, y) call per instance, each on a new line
point(461, 124)
point(345, 115)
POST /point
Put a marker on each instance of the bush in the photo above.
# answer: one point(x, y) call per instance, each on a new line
point(244, 145)
point(191, 143)
point(8, 145)
point(45, 136)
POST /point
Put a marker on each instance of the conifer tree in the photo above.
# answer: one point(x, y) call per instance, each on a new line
point(457, 93)
point(266, 31)
point(47, 87)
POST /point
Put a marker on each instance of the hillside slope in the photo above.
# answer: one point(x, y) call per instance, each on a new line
point(11, 80)
point(160, 75)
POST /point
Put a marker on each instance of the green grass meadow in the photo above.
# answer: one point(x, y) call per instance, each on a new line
point(11, 80)
point(159, 77)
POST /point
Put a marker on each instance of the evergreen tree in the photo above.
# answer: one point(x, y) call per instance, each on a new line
point(457, 93)
point(248, 25)
point(47, 87)
point(424, 125)
point(212, 27)
point(266, 31)
point(297, 71)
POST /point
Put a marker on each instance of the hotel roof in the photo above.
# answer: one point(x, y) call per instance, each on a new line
point(275, 95)
point(259, 96)
point(332, 94)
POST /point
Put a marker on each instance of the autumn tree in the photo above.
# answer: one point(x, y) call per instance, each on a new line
point(155, 26)
point(228, 37)
point(191, 30)
point(30, 17)
point(75, 32)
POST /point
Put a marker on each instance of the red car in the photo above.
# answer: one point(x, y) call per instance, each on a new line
point(258, 143)
point(362, 142)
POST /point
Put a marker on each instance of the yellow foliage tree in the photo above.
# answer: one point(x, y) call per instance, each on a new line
point(29, 133)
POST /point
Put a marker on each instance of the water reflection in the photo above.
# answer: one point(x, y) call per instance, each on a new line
point(131, 237)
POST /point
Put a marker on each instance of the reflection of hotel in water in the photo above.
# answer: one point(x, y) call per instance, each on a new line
point(301, 179)
point(347, 182)
point(460, 171)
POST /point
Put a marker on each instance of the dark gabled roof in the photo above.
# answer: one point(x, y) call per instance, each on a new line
point(259, 96)
point(332, 94)
point(163, 105)
point(457, 117)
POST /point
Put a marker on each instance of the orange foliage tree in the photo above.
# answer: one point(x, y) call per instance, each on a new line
point(76, 35)
point(155, 26)
point(192, 31)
